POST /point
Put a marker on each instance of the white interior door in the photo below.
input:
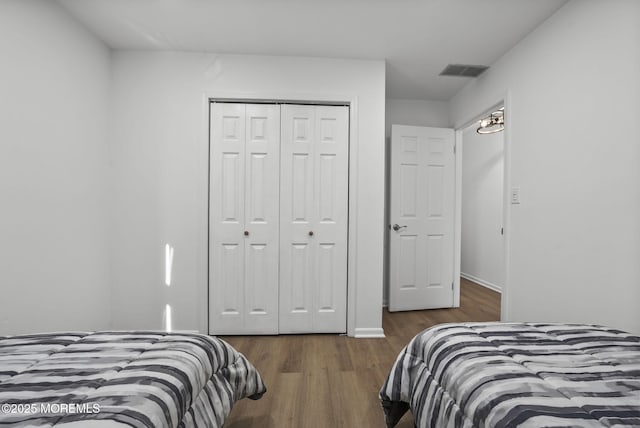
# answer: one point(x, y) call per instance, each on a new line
point(422, 218)
point(245, 157)
point(313, 219)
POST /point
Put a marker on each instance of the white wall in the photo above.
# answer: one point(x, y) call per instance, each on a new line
point(161, 159)
point(416, 113)
point(54, 253)
point(572, 110)
point(482, 258)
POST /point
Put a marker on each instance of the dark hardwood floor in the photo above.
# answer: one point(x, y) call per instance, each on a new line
point(329, 381)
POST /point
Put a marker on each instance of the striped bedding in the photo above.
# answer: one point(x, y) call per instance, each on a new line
point(121, 379)
point(516, 375)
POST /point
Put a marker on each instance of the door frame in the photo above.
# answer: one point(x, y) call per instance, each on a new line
point(505, 101)
point(282, 98)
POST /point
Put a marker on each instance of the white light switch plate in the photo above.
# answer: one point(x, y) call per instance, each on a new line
point(515, 195)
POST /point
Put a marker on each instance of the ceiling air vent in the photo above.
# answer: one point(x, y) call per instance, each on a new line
point(463, 70)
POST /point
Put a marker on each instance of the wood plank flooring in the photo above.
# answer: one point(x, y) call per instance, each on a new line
point(328, 381)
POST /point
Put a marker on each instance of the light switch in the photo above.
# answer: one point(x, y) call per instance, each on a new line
point(515, 195)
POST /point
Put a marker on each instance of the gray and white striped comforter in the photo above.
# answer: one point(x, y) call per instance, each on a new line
point(137, 379)
point(516, 375)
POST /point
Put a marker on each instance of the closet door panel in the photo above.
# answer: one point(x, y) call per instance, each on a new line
point(262, 218)
point(244, 247)
point(313, 200)
point(330, 236)
point(297, 216)
point(227, 205)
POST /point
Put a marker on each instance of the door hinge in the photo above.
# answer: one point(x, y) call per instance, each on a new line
point(452, 285)
point(454, 148)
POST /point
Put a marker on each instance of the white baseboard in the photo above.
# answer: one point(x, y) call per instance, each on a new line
point(482, 282)
point(369, 332)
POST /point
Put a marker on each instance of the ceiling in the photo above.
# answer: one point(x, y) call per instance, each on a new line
point(417, 38)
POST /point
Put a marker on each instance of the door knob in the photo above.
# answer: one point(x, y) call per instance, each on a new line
point(246, 233)
point(396, 227)
point(311, 233)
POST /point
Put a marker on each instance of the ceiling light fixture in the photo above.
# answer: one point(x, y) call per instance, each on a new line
point(491, 124)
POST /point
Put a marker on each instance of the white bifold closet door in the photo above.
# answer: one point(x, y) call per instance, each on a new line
point(278, 219)
point(313, 218)
point(245, 157)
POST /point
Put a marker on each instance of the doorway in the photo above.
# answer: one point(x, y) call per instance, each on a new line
point(482, 201)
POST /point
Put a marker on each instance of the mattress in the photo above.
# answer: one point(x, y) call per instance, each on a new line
point(516, 375)
point(118, 379)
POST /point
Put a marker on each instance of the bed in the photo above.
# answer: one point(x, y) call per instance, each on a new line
point(121, 379)
point(516, 375)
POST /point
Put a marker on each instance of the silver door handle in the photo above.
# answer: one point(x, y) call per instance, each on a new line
point(397, 228)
